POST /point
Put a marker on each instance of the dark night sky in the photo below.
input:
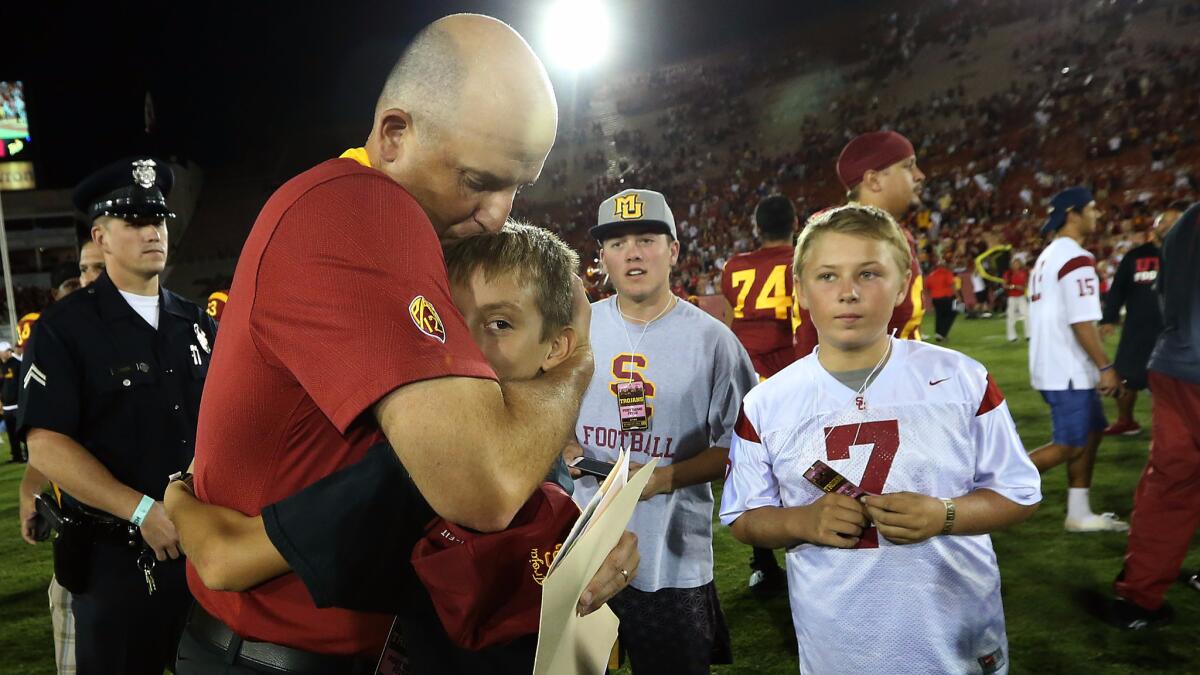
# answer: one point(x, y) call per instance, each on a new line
point(223, 76)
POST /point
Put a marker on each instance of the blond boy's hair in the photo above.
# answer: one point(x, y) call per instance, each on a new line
point(857, 220)
point(535, 257)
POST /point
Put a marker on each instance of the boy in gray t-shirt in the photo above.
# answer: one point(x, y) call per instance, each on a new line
point(681, 375)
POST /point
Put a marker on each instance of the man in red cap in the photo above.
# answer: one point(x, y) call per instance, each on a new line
point(879, 169)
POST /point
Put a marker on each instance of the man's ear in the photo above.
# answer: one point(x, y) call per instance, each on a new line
point(561, 347)
point(871, 181)
point(392, 130)
point(98, 233)
point(674, 252)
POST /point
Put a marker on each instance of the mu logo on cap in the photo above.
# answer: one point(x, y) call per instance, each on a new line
point(426, 317)
point(629, 207)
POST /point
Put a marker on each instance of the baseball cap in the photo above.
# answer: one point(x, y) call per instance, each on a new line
point(1071, 199)
point(633, 207)
point(872, 151)
point(5, 345)
point(487, 587)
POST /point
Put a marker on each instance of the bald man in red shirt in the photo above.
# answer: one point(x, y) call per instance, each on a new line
point(348, 254)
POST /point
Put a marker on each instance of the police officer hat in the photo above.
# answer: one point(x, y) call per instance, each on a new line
point(134, 188)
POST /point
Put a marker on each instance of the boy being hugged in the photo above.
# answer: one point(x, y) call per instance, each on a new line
point(904, 579)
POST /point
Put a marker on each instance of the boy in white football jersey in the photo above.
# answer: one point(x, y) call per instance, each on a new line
point(903, 579)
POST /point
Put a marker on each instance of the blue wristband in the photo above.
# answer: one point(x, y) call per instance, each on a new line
point(143, 507)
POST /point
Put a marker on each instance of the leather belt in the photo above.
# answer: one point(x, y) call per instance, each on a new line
point(268, 657)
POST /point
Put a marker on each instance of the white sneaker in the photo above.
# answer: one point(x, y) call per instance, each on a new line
point(1103, 522)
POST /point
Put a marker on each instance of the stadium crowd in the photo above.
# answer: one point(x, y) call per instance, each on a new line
point(992, 161)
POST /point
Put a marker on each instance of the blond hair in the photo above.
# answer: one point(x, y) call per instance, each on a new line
point(535, 257)
point(858, 220)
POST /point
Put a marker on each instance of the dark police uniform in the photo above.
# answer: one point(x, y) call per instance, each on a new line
point(130, 395)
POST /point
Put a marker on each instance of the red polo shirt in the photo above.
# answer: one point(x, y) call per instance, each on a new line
point(340, 296)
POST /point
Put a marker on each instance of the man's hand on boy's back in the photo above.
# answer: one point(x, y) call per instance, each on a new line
point(833, 520)
point(906, 517)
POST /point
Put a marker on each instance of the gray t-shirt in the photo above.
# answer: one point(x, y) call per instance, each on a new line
point(695, 373)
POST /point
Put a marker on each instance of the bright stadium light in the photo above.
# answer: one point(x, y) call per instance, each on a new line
point(576, 33)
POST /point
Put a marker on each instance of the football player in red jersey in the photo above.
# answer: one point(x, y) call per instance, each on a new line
point(758, 296)
point(880, 169)
point(758, 289)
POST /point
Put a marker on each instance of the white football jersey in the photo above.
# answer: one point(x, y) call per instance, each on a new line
point(1063, 289)
point(934, 423)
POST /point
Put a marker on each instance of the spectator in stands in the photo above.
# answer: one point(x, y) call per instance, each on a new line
point(1166, 505)
point(1133, 291)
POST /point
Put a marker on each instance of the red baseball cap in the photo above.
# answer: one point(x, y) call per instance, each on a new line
point(487, 587)
point(872, 151)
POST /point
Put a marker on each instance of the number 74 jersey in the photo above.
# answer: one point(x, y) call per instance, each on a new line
point(1063, 289)
point(934, 423)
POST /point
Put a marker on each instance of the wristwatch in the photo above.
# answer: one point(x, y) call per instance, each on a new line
point(184, 477)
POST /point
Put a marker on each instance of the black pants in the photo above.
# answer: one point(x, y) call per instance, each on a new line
point(763, 559)
point(944, 315)
point(120, 629)
point(14, 447)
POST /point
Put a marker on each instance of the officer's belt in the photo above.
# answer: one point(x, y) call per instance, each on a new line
point(103, 526)
point(268, 657)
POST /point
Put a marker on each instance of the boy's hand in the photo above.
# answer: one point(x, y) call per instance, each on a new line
point(659, 483)
point(833, 520)
point(907, 517)
point(571, 452)
point(28, 513)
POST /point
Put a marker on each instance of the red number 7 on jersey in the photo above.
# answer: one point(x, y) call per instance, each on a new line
point(884, 437)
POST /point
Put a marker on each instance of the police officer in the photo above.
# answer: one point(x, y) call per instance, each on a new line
point(110, 395)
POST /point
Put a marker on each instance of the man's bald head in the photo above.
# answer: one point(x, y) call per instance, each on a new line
point(465, 119)
point(462, 61)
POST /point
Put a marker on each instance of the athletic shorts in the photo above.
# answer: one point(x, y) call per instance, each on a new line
point(672, 631)
point(1074, 413)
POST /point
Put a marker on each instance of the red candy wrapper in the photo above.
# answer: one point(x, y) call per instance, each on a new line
point(825, 477)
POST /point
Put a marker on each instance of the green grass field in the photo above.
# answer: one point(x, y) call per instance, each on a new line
point(1050, 578)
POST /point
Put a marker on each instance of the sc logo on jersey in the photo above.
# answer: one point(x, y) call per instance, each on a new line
point(629, 207)
point(425, 316)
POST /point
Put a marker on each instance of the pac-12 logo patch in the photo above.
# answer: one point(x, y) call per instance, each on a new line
point(426, 317)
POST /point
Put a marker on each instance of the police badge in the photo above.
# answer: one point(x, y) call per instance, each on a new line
point(145, 175)
point(201, 338)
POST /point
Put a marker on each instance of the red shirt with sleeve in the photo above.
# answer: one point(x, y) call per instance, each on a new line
point(940, 282)
point(758, 285)
point(340, 297)
point(1015, 282)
